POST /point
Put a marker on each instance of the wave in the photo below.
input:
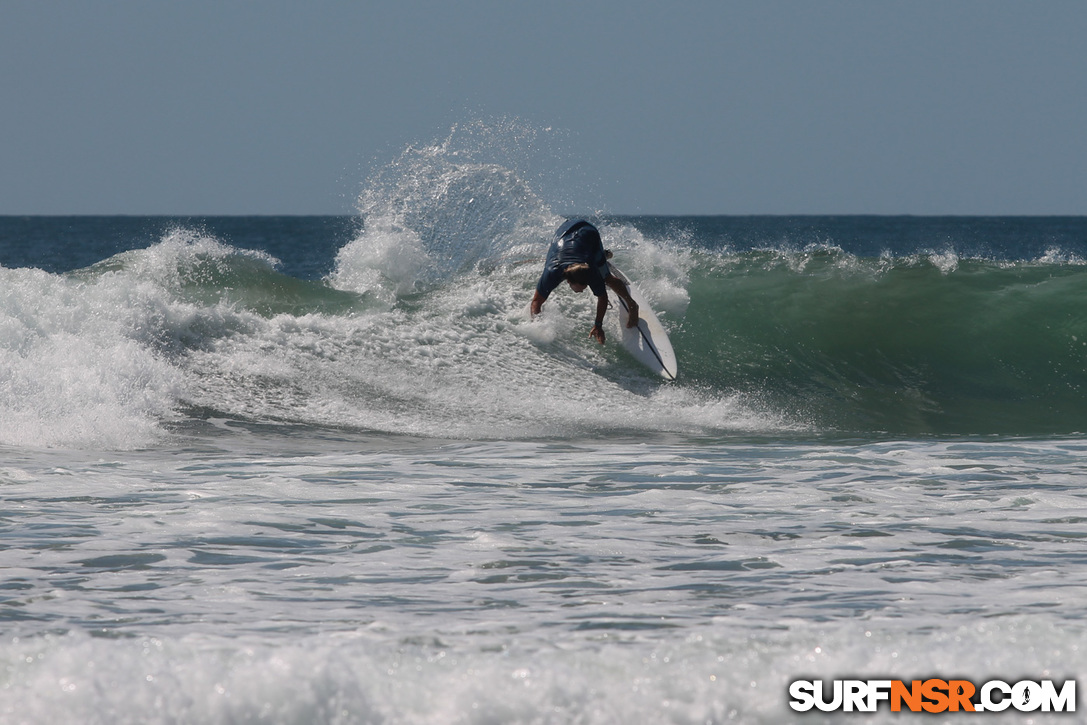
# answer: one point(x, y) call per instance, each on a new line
point(912, 345)
point(772, 342)
point(117, 354)
point(421, 328)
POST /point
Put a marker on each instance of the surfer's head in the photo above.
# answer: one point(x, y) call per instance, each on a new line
point(577, 275)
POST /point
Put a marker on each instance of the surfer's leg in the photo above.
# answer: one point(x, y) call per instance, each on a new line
point(623, 291)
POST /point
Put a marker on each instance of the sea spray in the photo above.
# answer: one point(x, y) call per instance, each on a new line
point(438, 211)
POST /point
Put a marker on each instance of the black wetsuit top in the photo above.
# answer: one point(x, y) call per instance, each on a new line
point(577, 241)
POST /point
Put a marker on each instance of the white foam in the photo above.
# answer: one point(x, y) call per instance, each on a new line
point(387, 262)
point(176, 259)
point(710, 674)
point(94, 359)
point(658, 267)
point(71, 373)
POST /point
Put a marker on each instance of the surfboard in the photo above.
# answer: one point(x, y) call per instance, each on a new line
point(648, 342)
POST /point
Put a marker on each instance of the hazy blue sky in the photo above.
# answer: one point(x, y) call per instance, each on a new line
point(271, 107)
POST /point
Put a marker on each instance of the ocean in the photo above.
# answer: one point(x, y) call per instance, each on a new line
point(327, 470)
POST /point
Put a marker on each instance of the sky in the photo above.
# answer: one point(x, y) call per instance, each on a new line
point(677, 107)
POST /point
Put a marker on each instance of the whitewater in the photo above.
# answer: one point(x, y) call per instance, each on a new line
point(328, 470)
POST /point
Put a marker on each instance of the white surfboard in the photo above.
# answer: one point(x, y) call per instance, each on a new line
point(648, 342)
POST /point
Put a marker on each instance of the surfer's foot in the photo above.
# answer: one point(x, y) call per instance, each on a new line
point(632, 310)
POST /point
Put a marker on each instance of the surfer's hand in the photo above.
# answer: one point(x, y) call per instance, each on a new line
point(632, 321)
point(597, 333)
point(537, 305)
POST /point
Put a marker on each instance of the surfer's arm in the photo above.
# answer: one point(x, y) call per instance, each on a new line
point(597, 333)
point(537, 303)
point(549, 280)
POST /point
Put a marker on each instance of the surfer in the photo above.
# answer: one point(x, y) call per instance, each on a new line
point(577, 255)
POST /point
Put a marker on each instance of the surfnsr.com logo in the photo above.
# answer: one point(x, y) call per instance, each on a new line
point(933, 695)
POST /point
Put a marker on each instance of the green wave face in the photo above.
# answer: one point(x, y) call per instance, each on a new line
point(900, 346)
